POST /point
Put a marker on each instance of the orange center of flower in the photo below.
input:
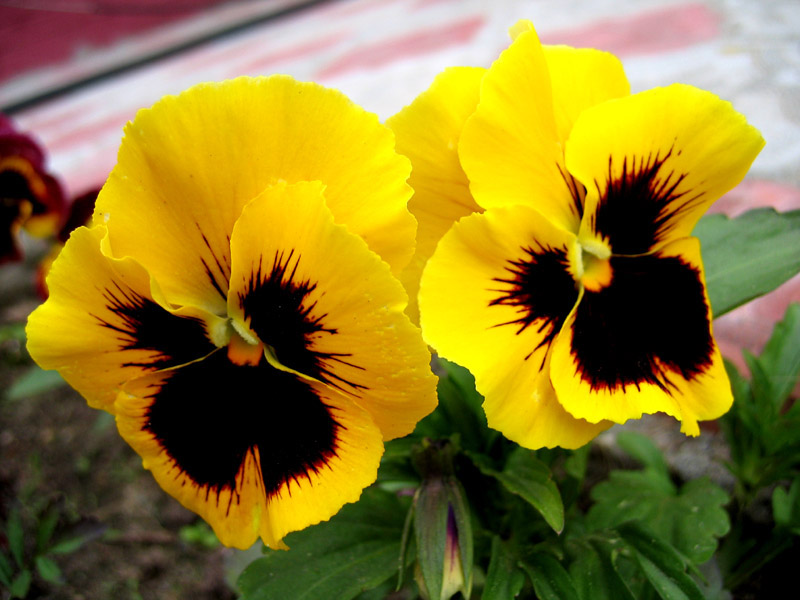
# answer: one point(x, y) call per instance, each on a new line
point(242, 353)
point(597, 272)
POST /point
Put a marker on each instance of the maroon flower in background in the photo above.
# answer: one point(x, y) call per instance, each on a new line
point(30, 197)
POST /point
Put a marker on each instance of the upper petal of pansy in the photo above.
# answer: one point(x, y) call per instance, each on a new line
point(427, 132)
point(654, 162)
point(255, 451)
point(493, 298)
point(101, 325)
point(643, 344)
point(188, 165)
point(512, 148)
point(581, 78)
point(328, 307)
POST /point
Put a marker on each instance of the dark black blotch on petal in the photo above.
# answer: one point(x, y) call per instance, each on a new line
point(276, 303)
point(541, 288)
point(147, 326)
point(208, 416)
point(650, 323)
point(640, 205)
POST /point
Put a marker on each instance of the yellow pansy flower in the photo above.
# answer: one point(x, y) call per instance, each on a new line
point(233, 303)
point(576, 297)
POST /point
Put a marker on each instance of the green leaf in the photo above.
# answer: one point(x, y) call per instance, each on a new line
point(691, 518)
point(504, 580)
point(644, 450)
point(45, 529)
point(663, 566)
point(593, 571)
point(779, 363)
point(6, 571)
point(354, 552)
point(15, 534)
point(749, 255)
point(459, 410)
point(786, 507)
point(13, 331)
point(550, 580)
point(69, 545)
point(577, 462)
point(529, 478)
point(48, 569)
point(21, 584)
point(34, 381)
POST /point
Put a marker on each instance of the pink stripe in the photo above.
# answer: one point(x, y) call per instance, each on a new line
point(646, 33)
point(261, 64)
point(406, 46)
point(91, 131)
point(755, 193)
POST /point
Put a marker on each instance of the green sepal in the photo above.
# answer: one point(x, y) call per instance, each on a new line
point(441, 519)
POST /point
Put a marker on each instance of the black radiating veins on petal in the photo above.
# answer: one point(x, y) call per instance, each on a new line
point(577, 192)
point(144, 325)
point(541, 288)
point(649, 325)
point(641, 204)
point(221, 273)
point(210, 415)
point(277, 305)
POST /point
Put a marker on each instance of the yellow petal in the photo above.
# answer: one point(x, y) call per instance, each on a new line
point(581, 78)
point(643, 344)
point(255, 451)
point(189, 164)
point(529, 414)
point(654, 162)
point(510, 148)
point(428, 131)
point(493, 300)
point(101, 325)
point(328, 307)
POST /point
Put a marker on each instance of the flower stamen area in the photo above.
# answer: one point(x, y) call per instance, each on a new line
point(278, 306)
point(594, 266)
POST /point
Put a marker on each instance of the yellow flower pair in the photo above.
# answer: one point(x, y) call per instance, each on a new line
point(235, 302)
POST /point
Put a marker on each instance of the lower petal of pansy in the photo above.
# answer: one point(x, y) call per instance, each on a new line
point(654, 162)
point(101, 326)
point(643, 344)
point(427, 132)
point(327, 306)
point(528, 413)
point(493, 298)
point(257, 452)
